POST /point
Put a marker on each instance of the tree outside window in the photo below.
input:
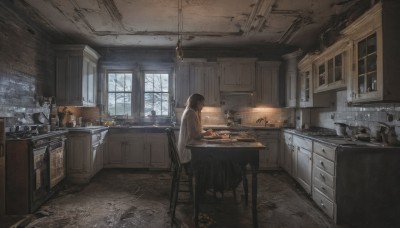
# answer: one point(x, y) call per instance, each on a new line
point(156, 94)
point(120, 93)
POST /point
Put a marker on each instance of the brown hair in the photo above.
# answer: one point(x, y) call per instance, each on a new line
point(194, 100)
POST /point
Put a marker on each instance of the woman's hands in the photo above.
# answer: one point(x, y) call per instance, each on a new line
point(209, 132)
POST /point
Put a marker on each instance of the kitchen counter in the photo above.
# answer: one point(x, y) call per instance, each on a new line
point(90, 129)
point(334, 140)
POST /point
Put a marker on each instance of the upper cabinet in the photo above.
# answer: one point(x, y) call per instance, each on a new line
point(237, 74)
point(197, 76)
point(307, 97)
point(76, 71)
point(375, 37)
point(267, 78)
point(332, 67)
point(291, 61)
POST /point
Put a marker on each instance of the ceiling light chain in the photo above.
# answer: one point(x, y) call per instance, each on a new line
point(178, 49)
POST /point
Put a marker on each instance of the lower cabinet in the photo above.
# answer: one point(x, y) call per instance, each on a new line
point(303, 162)
point(270, 155)
point(286, 153)
point(85, 151)
point(137, 150)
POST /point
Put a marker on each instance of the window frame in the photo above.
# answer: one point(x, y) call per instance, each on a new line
point(137, 94)
point(132, 92)
point(142, 92)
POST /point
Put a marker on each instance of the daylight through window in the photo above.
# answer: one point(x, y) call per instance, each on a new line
point(156, 94)
point(120, 93)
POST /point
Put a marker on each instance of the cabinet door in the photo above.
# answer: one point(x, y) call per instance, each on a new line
point(74, 81)
point(269, 155)
point(159, 157)
point(237, 75)
point(204, 80)
point(306, 93)
point(134, 152)
point(98, 159)
point(115, 145)
point(304, 167)
point(267, 75)
point(182, 82)
point(78, 153)
point(288, 154)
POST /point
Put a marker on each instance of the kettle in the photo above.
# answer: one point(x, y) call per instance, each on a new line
point(341, 129)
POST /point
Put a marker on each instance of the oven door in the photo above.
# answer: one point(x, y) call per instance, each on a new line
point(39, 177)
point(56, 162)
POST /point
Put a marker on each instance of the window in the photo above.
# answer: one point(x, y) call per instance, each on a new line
point(120, 93)
point(156, 94)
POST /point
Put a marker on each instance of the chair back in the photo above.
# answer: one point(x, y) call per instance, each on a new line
point(172, 149)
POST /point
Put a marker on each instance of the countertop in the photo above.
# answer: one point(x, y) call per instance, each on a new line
point(334, 140)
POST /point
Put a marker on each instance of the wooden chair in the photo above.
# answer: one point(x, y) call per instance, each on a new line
point(176, 172)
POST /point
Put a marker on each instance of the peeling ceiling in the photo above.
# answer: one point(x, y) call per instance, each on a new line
point(205, 23)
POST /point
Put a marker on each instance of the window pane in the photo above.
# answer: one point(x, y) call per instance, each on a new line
point(148, 83)
point(120, 83)
point(148, 103)
point(164, 81)
point(111, 82)
point(128, 82)
point(165, 104)
point(111, 104)
point(128, 104)
point(157, 82)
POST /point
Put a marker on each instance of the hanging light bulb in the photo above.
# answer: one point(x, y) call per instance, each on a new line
point(178, 50)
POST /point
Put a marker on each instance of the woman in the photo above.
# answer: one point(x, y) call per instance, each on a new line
point(191, 128)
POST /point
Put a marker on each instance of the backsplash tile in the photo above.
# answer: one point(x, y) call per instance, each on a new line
point(368, 115)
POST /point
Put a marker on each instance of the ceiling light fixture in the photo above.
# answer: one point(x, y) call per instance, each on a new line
point(178, 48)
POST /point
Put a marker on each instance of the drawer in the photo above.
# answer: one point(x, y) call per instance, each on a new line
point(324, 189)
point(324, 164)
point(325, 150)
point(302, 142)
point(324, 203)
point(323, 177)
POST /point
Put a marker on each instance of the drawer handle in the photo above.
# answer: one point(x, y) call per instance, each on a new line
point(323, 188)
point(322, 175)
point(323, 150)
point(322, 163)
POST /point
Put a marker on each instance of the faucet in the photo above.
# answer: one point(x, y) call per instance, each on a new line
point(262, 119)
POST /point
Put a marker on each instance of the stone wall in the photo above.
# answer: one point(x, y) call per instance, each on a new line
point(26, 66)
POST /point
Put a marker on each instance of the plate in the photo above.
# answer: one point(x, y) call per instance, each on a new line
point(246, 139)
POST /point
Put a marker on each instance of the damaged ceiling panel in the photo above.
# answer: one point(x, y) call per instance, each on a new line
point(206, 23)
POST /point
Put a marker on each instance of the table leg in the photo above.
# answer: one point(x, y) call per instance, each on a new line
point(254, 197)
point(245, 186)
point(196, 200)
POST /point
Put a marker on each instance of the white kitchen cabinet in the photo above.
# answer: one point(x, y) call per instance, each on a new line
point(267, 86)
point(84, 155)
point(291, 61)
point(333, 67)
point(287, 156)
point(375, 36)
point(204, 80)
point(269, 156)
point(138, 149)
point(76, 75)
point(307, 97)
point(237, 74)
point(196, 76)
point(303, 162)
point(134, 151)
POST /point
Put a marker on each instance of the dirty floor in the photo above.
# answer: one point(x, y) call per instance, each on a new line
point(129, 198)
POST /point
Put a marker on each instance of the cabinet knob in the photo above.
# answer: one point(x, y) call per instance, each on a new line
point(322, 205)
point(321, 162)
point(323, 188)
point(322, 175)
point(323, 150)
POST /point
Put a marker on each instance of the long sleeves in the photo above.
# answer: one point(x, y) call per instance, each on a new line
point(190, 130)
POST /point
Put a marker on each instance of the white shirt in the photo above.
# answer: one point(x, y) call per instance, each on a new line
point(190, 131)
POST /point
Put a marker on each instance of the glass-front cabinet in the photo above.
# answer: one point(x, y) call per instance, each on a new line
point(332, 67)
point(376, 61)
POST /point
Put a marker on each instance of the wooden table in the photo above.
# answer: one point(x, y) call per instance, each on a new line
point(242, 153)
